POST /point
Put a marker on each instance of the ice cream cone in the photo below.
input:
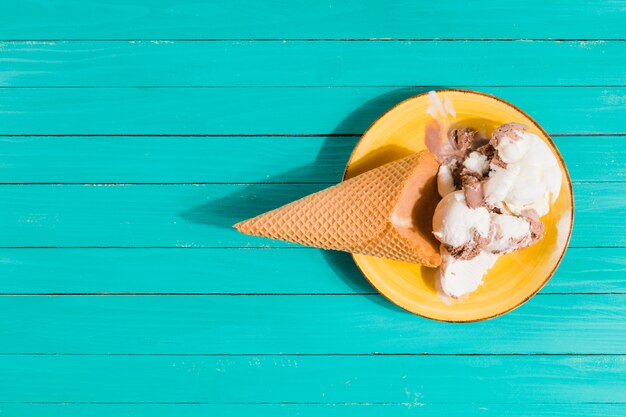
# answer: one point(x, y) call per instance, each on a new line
point(386, 212)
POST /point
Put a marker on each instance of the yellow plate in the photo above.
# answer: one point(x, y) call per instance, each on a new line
point(515, 277)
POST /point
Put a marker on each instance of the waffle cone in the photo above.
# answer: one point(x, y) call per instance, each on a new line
point(369, 214)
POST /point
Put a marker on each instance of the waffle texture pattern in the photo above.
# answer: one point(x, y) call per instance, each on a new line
point(352, 216)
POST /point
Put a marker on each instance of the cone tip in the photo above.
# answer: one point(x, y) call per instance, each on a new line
point(240, 226)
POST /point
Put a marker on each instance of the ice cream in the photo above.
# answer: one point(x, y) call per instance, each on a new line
point(462, 230)
point(463, 277)
point(494, 192)
point(526, 175)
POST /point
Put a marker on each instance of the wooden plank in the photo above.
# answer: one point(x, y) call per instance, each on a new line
point(42, 111)
point(187, 159)
point(547, 324)
point(203, 215)
point(246, 271)
point(114, 19)
point(305, 63)
point(345, 379)
point(590, 271)
point(367, 409)
point(158, 159)
point(186, 271)
point(607, 153)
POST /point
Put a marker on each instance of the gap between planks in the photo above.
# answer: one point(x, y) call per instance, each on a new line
point(375, 39)
point(123, 184)
point(228, 247)
point(181, 87)
point(258, 294)
point(340, 403)
point(282, 354)
point(242, 135)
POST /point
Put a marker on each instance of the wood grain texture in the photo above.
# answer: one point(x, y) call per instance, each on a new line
point(366, 409)
point(263, 159)
point(203, 215)
point(304, 63)
point(116, 19)
point(370, 379)
point(320, 111)
point(246, 271)
point(366, 324)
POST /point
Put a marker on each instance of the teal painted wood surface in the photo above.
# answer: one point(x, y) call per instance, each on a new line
point(305, 63)
point(134, 133)
point(307, 324)
point(263, 111)
point(267, 159)
point(312, 379)
point(367, 409)
point(247, 271)
point(202, 215)
point(244, 19)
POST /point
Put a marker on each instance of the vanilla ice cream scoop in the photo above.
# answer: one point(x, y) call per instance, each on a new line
point(531, 177)
point(511, 233)
point(445, 180)
point(459, 277)
point(461, 229)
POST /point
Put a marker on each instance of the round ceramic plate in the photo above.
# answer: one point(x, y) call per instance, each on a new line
point(516, 276)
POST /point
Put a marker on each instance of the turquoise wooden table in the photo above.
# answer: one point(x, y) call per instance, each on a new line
point(134, 133)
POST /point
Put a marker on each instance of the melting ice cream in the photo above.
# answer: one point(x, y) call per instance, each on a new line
point(494, 192)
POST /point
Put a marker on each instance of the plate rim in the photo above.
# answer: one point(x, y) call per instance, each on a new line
point(558, 155)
